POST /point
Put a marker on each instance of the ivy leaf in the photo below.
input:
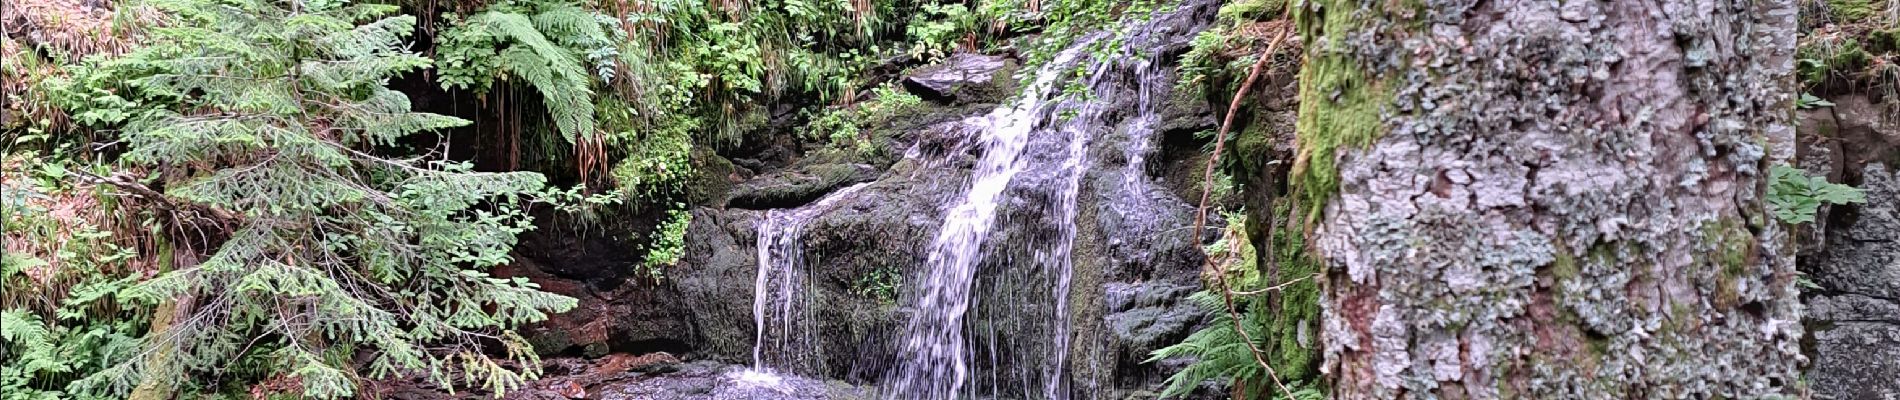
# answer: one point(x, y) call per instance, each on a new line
point(1809, 100)
point(1794, 197)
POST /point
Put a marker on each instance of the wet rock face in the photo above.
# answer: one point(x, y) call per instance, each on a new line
point(1855, 316)
point(1855, 355)
point(798, 186)
point(716, 382)
point(714, 282)
point(1134, 261)
point(1863, 255)
point(570, 248)
point(1853, 251)
point(620, 309)
point(1146, 316)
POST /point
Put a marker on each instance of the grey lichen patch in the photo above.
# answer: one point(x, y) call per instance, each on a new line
point(1550, 202)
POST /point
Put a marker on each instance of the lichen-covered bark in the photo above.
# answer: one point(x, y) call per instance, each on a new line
point(1549, 199)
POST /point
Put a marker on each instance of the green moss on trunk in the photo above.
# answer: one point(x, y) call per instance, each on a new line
point(1291, 338)
point(1339, 103)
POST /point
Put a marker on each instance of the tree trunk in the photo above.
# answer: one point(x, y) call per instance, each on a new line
point(161, 377)
point(160, 386)
point(1549, 199)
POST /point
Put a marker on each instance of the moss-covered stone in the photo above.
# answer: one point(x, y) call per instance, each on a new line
point(1822, 59)
point(1253, 149)
point(1852, 10)
point(800, 186)
point(712, 177)
point(1884, 40)
point(1246, 10)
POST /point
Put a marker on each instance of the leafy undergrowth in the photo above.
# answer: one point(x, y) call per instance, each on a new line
point(67, 254)
point(1851, 46)
point(1794, 196)
point(1274, 295)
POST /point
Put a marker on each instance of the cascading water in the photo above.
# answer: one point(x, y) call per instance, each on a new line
point(780, 341)
point(933, 363)
point(1035, 156)
point(1058, 258)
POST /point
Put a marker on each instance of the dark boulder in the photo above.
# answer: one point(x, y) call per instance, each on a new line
point(1852, 252)
point(956, 79)
point(791, 188)
point(714, 281)
point(1855, 316)
point(636, 316)
point(1147, 316)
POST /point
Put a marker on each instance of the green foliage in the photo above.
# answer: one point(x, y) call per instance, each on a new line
point(1221, 354)
point(33, 351)
point(1853, 10)
point(1278, 309)
point(1809, 100)
point(1827, 56)
point(1794, 196)
point(1251, 10)
point(58, 278)
point(891, 103)
point(1210, 58)
point(261, 110)
point(1804, 282)
point(44, 355)
point(542, 44)
point(658, 161)
point(667, 243)
point(846, 127)
point(1201, 63)
point(839, 127)
point(711, 67)
point(1065, 21)
point(881, 284)
point(934, 31)
point(702, 68)
point(1240, 260)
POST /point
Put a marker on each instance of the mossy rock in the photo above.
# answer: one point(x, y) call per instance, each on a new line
point(713, 177)
point(792, 188)
point(1821, 60)
point(1251, 10)
point(961, 78)
point(1854, 10)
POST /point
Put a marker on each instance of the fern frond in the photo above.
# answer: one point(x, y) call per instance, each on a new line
point(31, 342)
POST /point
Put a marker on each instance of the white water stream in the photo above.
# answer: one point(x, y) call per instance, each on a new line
point(779, 341)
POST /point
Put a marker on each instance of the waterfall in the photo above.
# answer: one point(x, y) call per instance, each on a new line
point(1043, 140)
point(934, 362)
point(1058, 259)
point(776, 301)
point(1024, 190)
